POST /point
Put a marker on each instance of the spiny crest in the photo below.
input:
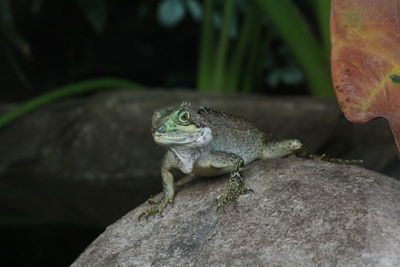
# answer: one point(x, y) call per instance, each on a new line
point(186, 104)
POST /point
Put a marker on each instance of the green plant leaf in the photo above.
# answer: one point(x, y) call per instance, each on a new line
point(95, 12)
point(294, 31)
point(206, 53)
point(56, 94)
point(248, 40)
point(170, 12)
point(323, 9)
point(250, 68)
point(223, 46)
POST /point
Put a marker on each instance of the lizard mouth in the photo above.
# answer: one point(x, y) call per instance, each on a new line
point(199, 137)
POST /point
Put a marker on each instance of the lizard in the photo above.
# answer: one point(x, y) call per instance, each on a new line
point(206, 142)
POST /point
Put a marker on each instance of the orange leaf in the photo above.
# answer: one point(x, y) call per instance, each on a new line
point(366, 59)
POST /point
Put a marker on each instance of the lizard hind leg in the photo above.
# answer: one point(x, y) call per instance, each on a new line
point(236, 188)
point(225, 162)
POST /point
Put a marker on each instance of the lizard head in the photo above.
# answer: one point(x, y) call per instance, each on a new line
point(179, 126)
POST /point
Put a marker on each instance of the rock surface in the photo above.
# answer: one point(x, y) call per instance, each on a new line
point(302, 213)
point(59, 162)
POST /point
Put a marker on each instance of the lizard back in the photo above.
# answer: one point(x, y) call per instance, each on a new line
point(233, 134)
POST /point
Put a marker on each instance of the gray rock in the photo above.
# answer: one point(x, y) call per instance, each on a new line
point(59, 163)
point(303, 213)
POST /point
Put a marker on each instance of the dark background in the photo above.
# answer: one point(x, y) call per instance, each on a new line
point(133, 43)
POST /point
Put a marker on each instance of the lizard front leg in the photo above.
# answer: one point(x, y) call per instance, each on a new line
point(167, 180)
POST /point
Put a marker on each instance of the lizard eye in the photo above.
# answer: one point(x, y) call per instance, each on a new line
point(184, 116)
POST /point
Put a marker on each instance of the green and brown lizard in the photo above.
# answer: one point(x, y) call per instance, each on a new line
point(206, 142)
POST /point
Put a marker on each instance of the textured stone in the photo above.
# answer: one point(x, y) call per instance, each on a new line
point(302, 213)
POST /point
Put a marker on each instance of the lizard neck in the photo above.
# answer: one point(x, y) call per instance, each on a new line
point(186, 155)
point(186, 158)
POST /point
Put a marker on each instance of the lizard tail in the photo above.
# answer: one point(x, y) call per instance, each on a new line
point(305, 153)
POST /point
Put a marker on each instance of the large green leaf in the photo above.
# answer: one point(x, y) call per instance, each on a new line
point(292, 27)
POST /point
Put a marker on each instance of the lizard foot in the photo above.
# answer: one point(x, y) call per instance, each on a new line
point(235, 189)
point(161, 205)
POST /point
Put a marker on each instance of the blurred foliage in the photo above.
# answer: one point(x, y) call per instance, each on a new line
point(236, 36)
point(305, 46)
point(72, 89)
point(257, 46)
point(171, 12)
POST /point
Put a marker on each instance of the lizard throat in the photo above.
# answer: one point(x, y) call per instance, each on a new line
point(187, 154)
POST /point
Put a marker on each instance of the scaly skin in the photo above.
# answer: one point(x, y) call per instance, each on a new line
point(205, 142)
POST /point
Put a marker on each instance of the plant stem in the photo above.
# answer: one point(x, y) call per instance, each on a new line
point(238, 54)
point(204, 69)
point(223, 44)
point(75, 88)
point(254, 56)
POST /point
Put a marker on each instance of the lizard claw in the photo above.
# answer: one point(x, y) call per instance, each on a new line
point(148, 213)
point(220, 207)
point(224, 200)
point(247, 190)
point(144, 214)
point(153, 201)
point(161, 205)
point(220, 202)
